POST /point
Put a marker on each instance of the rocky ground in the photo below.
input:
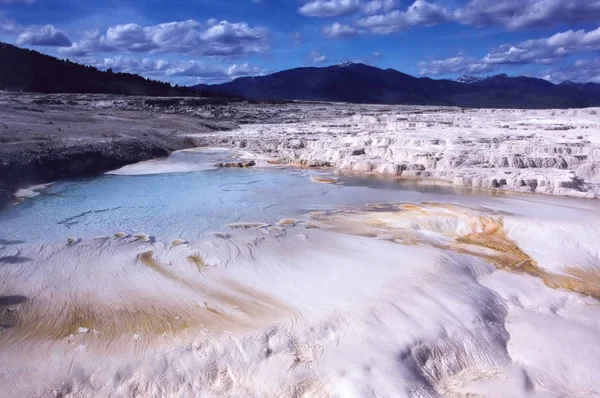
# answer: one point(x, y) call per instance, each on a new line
point(48, 137)
point(45, 138)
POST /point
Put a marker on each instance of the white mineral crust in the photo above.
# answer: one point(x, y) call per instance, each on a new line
point(544, 151)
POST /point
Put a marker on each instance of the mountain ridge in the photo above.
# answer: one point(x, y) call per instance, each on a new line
point(360, 83)
point(30, 71)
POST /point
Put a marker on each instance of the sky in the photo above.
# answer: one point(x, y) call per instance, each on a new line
point(211, 41)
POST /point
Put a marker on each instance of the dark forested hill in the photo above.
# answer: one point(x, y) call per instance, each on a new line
point(361, 83)
point(27, 70)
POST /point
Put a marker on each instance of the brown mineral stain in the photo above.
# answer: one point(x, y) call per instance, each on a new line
point(488, 242)
point(324, 180)
point(197, 260)
point(311, 225)
point(147, 258)
point(247, 225)
point(287, 222)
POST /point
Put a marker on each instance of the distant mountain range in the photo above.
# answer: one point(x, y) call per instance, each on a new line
point(27, 70)
point(359, 83)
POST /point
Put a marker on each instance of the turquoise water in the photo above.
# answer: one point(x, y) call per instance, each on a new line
point(188, 205)
point(180, 205)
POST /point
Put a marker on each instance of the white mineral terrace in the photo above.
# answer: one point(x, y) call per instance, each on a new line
point(544, 151)
point(177, 278)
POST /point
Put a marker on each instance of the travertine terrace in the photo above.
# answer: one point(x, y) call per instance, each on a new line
point(188, 262)
point(542, 151)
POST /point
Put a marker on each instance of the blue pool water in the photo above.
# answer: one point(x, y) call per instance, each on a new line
point(179, 205)
point(189, 204)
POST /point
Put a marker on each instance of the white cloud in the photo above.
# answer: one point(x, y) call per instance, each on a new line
point(208, 71)
point(375, 6)
point(35, 35)
point(127, 64)
point(543, 51)
point(582, 71)
point(9, 26)
point(458, 64)
point(517, 14)
point(336, 8)
point(377, 54)
point(338, 30)
point(513, 14)
point(165, 70)
point(384, 24)
point(244, 69)
point(318, 58)
point(426, 14)
point(46, 35)
point(546, 50)
point(420, 13)
point(329, 8)
point(17, 1)
point(185, 37)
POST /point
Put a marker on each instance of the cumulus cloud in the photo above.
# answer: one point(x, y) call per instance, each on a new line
point(35, 35)
point(338, 30)
point(329, 8)
point(517, 14)
point(546, 50)
point(46, 35)
point(9, 26)
point(537, 51)
point(318, 58)
point(420, 13)
point(384, 24)
point(200, 69)
point(458, 64)
point(336, 8)
point(513, 14)
point(582, 71)
point(185, 37)
point(376, 6)
point(164, 69)
point(127, 64)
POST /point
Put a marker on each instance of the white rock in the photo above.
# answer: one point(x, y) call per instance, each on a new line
point(546, 151)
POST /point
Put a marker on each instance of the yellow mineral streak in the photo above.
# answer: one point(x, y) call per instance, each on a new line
point(141, 237)
point(487, 239)
point(247, 225)
point(324, 180)
point(219, 304)
point(197, 260)
point(287, 222)
point(311, 225)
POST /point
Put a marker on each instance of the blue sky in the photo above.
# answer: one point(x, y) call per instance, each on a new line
point(210, 41)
